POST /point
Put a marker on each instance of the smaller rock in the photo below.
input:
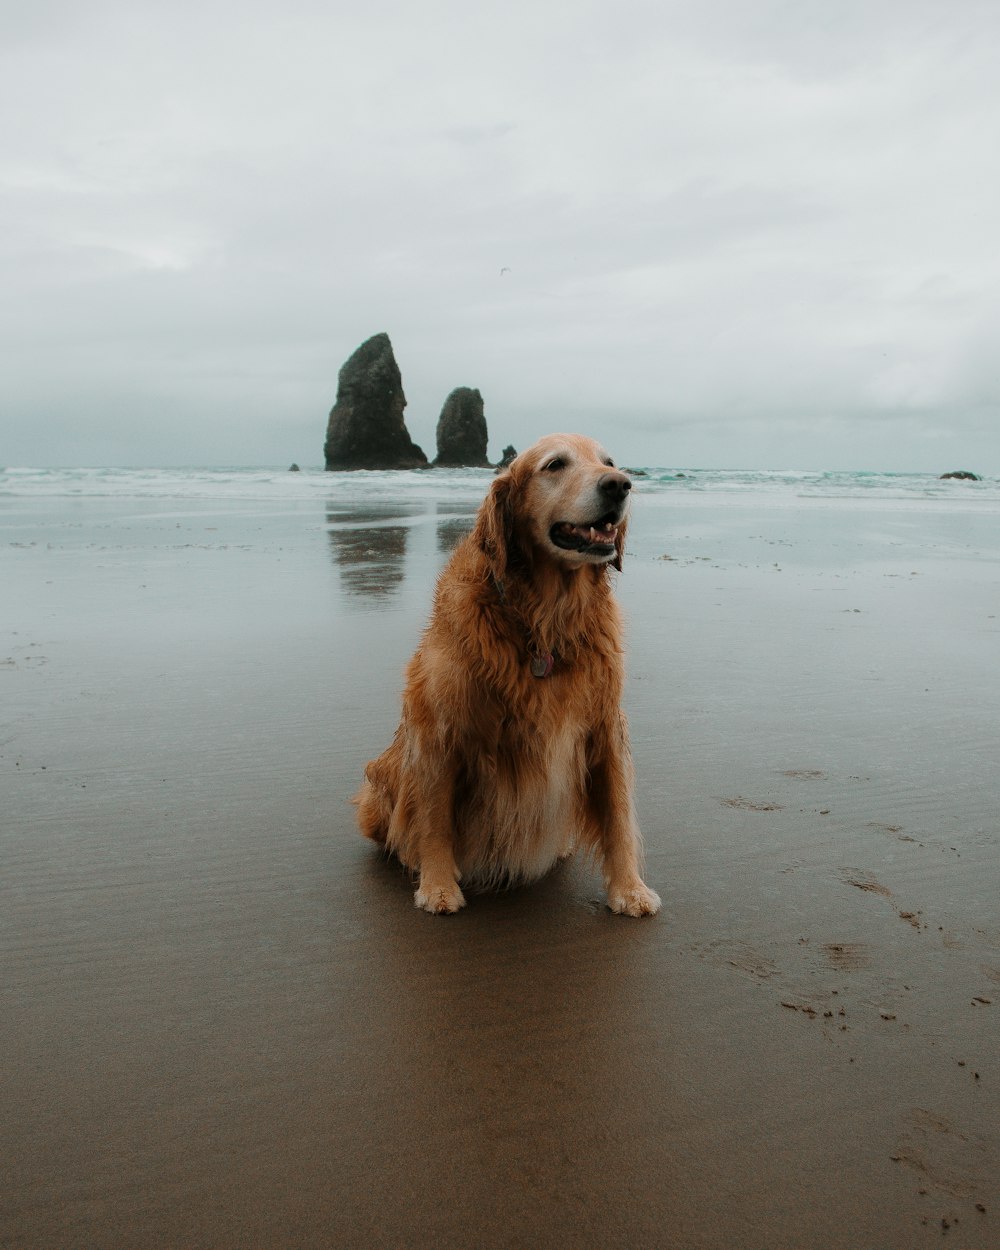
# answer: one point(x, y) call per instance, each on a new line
point(294, 468)
point(960, 475)
point(509, 454)
point(461, 431)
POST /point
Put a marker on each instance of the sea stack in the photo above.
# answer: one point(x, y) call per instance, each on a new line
point(366, 429)
point(461, 431)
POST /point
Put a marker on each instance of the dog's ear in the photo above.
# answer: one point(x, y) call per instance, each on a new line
point(494, 529)
point(616, 563)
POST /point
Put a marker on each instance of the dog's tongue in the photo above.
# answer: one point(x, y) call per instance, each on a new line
point(605, 534)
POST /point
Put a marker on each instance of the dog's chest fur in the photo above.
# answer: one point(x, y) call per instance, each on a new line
point(522, 785)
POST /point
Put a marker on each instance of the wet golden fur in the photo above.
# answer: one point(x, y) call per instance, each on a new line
point(494, 773)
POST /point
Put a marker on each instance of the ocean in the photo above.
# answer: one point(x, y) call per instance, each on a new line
point(256, 483)
point(469, 484)
point(375, 523)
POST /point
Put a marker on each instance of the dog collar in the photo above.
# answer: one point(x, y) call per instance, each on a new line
point(541, 665)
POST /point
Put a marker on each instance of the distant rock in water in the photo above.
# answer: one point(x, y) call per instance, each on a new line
point(294, 468)
point(961, 475)
point(509, 454)
point(366, 428)
point(461, 431)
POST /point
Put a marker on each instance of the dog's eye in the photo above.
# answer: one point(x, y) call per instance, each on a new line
point(610, 463)
point(555, 465)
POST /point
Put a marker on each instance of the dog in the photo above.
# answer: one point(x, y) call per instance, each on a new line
point(512, 749)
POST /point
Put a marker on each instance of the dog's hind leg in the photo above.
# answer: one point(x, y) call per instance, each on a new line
point(374, 812)
point(380, 792)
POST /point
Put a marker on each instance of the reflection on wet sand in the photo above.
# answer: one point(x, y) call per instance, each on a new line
point(454, 521)
point(451, 531)
point(370, 555)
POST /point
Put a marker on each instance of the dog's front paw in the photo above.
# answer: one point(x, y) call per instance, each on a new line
point(635, 900)
point(439, 898)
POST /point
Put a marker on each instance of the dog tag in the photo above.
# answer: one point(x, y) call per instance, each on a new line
point(541, 665)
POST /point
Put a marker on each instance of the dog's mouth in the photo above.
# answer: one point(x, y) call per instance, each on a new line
point(594, 538)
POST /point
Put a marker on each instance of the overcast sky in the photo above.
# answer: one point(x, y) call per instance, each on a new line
point(745, 233)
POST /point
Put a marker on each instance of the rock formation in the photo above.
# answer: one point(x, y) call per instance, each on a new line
point(509, 454)
point(366, 428)
point(461, 431)
point(962, 475)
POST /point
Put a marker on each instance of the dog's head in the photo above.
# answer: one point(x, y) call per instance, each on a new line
point(563, 500)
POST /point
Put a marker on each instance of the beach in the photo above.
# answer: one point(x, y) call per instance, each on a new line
point(225, 1023)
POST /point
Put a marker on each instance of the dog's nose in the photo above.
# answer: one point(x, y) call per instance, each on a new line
point(614, 486)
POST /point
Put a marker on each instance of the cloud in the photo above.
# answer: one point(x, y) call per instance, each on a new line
point(763, 219)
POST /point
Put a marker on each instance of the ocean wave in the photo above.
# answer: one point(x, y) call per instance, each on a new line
point(469, 485)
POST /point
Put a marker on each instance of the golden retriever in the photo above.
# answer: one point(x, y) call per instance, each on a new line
point(513, 749)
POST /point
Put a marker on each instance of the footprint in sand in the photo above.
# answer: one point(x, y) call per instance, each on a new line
point(953, 1162)
point(848, 956)
point(729, 952)
point(861, 879)
point(895, 830)
point(751, 805)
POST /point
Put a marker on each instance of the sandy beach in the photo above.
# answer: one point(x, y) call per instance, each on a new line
point(226, 1025)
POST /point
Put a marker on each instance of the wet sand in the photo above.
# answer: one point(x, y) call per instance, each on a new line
point(225, 1024)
